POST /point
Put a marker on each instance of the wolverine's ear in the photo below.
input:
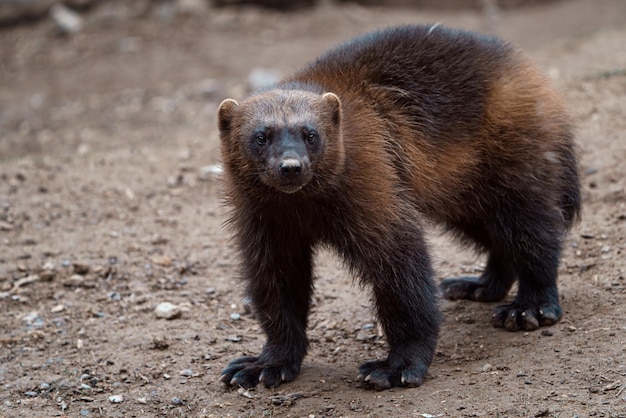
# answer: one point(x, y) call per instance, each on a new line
point(333, 104)
point(225, 114)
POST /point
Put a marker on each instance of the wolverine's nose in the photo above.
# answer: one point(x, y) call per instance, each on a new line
point(290, 168)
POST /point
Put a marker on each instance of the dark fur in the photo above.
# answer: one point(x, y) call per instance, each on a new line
point(427, 122)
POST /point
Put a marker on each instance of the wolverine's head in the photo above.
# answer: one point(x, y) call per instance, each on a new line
point(282, 137)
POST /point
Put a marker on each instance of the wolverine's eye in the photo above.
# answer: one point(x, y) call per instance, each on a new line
point(261, 139)
point(311, 137)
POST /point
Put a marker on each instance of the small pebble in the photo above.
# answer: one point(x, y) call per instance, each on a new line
point(44, 386)
point(166, 376)
point(547, 333)
point(116, 399)
point(487, 367)
point(81, 268)
point(114, 296)
point(177, 401)
point(57, 309)
point(235, 316)
point(66, 19)
point(77, 280)
point(365, 336)
point(186, 372)
point(31, 393)
point(233, 338)
point(167, 310)
point(84, 386)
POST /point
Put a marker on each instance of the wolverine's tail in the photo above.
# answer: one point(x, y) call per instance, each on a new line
point(571, 198)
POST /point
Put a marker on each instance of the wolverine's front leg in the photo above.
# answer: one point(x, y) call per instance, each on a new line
point(279, 283)
point(398, 268)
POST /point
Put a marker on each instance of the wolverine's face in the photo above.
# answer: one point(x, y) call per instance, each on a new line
point(279, 136)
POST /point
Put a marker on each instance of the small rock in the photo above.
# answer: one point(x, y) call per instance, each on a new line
point(487, 367)
point(166, 376)
point(245, 393)
point(162, 260)
point(186, 373)
point(47, 275)
point(175, 181)
point(44, 386)
point(114, 296)
point(66, 19)
point(547, 333)
point(76, 280)
point(57, 309)
point(116, 399)
point(365, 336)
point(160, 343)
point(33, 319)
point(571, 328)
point(5, 226)
point(81, 268)
point(30, 393)
point(235, 316)
point(234, 338)
point(166, 310)
point(177, 401)
point(286, 400)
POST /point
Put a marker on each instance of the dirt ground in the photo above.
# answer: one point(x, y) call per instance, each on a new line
point(110, 205)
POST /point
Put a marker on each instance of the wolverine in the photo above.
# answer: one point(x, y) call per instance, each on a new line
point(363, 147)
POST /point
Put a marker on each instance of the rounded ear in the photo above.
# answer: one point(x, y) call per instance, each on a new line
point(333, 104)
point(225, 114)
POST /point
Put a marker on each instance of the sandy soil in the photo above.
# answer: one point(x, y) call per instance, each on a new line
point(108, 207)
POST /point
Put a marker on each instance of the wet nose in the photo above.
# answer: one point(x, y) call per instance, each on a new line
point(290, 168)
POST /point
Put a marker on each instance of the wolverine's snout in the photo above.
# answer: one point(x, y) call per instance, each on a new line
point(290, 168)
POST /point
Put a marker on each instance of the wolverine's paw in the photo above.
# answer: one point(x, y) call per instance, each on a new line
point(379, 375)
point(247, 372)
point(512, 317)
point(470, 288)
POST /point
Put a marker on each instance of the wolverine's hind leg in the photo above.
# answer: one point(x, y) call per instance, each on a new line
point(492, 285)
point(537, 301)
point(524, 244)
point(495, 281)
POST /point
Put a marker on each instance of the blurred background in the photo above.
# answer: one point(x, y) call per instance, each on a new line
point(84, 70)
